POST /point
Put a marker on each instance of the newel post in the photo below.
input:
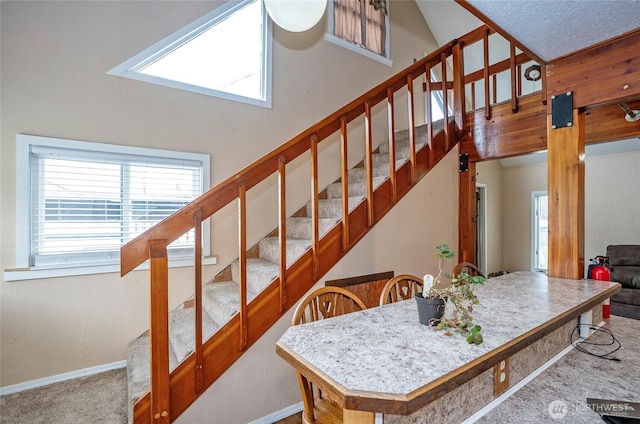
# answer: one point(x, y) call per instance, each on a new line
point(159, 319)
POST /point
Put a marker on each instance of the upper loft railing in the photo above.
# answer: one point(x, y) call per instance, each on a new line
point(442, 70)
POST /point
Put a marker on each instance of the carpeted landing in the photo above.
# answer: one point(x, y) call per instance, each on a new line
point(100, 398)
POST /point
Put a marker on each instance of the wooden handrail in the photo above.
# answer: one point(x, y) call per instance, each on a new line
point(153, 243)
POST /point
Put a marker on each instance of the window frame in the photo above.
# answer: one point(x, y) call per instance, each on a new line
point(24, 268)
point(386, 59)
point(535, 228)
point(131, 67)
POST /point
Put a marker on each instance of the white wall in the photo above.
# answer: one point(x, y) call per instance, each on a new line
point(612, 205)
point(489, 173)
point(54, 60)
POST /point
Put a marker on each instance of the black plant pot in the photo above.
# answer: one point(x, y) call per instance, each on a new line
point(429, 310)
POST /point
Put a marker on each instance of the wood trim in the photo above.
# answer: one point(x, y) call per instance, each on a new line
point(467, 215)
point(392, 144)
point(485, 76)
point(199, 383)
point(369, 163)
point(445, 100)
point(603, 74)
point(242, 264)
point(350, 281)
point(344, 160)
point(159, 308)
point(509, 134)
point(412, 129)
point(566, 198)
point(282, 231)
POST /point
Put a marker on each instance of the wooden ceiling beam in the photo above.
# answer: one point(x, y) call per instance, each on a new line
point(511, 134)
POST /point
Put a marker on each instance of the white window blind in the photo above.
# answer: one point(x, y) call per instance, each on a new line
point(85, 204)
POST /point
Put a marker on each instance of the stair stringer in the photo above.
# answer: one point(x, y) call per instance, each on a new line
point(224, 347)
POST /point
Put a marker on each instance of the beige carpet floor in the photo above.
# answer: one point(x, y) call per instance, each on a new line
point(100, 398)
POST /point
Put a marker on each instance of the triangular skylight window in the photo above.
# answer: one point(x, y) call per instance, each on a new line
point(226, 53)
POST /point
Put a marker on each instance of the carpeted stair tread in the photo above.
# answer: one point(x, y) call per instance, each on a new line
point(360, 173)
point(357, 188)
point(270, 249)
point(222, 300)
point(139, 371)
point(182, 333)
point(402, 136)
point(333, 207)
point(301, 227)
point(260, 273)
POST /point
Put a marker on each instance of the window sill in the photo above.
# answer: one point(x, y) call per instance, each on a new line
point(19, 274)
point(357, 49)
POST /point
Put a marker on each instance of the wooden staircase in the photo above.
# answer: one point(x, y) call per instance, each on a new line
point(228, 314)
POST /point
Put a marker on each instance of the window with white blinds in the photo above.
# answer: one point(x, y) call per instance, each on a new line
point(85, 200)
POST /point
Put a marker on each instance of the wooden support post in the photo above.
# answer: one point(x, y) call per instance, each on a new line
point(159, 333)
point(467, 215)
point(566, 198)
point(344, 162)
point(459, 101)
point(282, 230)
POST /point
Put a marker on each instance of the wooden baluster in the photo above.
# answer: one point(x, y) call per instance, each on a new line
point(495, 88)
point(344, 158)
point(282, 230)
point(487, 100)
point(159, 333)
point(197, 225)
point(412, 128)
point(543, 71)
point(429, 107)
point(392, 144)
point(473, 96)
point(519, 80)
point(315, 238)
point(514, 92)
point(369, 162)
point(445, 100)
point(242, 262)
point(458, 88)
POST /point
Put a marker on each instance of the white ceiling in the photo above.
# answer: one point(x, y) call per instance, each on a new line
point(554, 28)
point(548, 28)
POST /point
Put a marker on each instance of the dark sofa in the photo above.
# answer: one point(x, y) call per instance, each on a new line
point(624, 260)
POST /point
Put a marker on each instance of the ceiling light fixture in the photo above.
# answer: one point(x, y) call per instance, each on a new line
point(632, 115)
point(296, 15)
point(533, 73)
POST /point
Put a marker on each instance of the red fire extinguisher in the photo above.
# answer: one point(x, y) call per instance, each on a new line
point(600, 271)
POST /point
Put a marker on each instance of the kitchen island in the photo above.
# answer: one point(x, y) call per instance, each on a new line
point(382, 360)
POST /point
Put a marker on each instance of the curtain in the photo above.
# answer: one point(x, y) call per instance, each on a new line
point(358, 22)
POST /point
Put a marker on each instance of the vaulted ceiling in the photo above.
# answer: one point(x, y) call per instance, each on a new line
point(548, 29)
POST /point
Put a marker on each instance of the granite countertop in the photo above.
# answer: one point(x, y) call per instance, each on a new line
point(387, 351)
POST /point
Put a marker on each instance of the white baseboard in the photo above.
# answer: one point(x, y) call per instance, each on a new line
point(279, 415)
point(61, 377)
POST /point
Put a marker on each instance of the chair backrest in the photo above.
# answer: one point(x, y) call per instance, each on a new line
point(326, 302)
point(401, 287)
point(467, 267)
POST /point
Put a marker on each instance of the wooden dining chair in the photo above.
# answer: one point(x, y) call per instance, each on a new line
point(401, 287)
point(467, 267)
point(325, 302)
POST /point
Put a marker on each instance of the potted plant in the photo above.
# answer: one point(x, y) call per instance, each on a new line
point(458, 293)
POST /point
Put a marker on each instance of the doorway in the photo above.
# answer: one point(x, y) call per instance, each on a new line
point(481, 227)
